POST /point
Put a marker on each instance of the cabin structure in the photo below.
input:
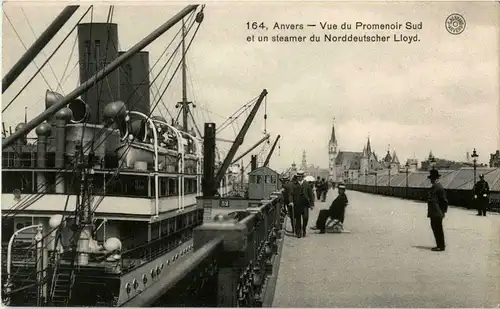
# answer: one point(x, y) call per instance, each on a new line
point(262, 182)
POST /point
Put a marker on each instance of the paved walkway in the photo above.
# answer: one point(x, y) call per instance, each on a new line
point(385, 260)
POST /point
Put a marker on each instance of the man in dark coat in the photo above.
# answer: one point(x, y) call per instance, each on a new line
point(317, 186)
point(437, 206)
point(324, 189)
point(286, 200)
point(481, 194)
point(302, 198)
point(336, 211)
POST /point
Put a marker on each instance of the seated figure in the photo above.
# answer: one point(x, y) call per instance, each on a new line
point(335, 212)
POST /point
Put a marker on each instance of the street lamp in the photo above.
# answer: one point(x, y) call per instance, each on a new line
point(474, 161)
point(406, 171)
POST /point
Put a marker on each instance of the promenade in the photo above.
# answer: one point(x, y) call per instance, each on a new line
point(385, 260)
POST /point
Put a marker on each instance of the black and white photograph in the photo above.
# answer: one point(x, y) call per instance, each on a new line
point(320, 154)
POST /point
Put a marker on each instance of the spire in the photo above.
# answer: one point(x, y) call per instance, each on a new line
point(368, 146)
point(388, 158)
point(395, 158)
point(333, 139)
point(365, 153)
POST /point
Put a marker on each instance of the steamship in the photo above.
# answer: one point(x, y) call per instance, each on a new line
point(104, 199)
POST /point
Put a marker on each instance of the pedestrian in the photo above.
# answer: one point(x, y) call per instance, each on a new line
point(317, 186)
point(336, 211)
point(481, 192)
point(302, 199)
point(437, 206)
point(286, 200)
point(324, 189)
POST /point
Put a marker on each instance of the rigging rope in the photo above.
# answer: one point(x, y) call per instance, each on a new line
point(24, 45)
point(265, 116)
point(60, 83)
point(35, 197)
point(149, 115)
point(46, 61)
point(41, 52)
point(103, 130)
point(242, 108)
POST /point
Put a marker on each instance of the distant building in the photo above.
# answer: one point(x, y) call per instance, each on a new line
point(443, 164)
point(412, 165)
point(348, 166)
point(310, 169)
point(495, 159)
point(317, 171)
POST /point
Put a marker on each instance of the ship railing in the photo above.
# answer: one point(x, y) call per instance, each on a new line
point(234, 264)
point(192, 283)
point(129, 183)
point(154, 249)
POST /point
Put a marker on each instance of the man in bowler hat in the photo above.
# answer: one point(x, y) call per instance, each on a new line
point(301, 198)
point(481, 192)
point(437, 205)
point(336, 211)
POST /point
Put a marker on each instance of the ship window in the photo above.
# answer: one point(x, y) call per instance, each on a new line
point(172, 186)
point(139, 184)
point(268, 179)
point(273, 179)
point(252, 179)
point(189, 186)
point(259, 179)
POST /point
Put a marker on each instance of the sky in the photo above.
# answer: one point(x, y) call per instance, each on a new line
point(440, 93)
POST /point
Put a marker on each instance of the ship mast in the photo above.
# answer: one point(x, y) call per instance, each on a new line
point(184, 103)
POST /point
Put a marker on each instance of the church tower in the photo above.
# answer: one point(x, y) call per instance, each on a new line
point(304, 161)
point(365, 159)
point(332, 155)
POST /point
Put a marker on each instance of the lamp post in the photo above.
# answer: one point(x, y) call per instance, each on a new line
point(474, 161)
point(406, 171)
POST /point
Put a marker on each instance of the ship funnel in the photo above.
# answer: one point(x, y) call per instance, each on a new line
point(80, 109)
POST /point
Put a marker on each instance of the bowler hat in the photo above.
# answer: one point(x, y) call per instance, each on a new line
point(481, 176)
point(434, 174)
